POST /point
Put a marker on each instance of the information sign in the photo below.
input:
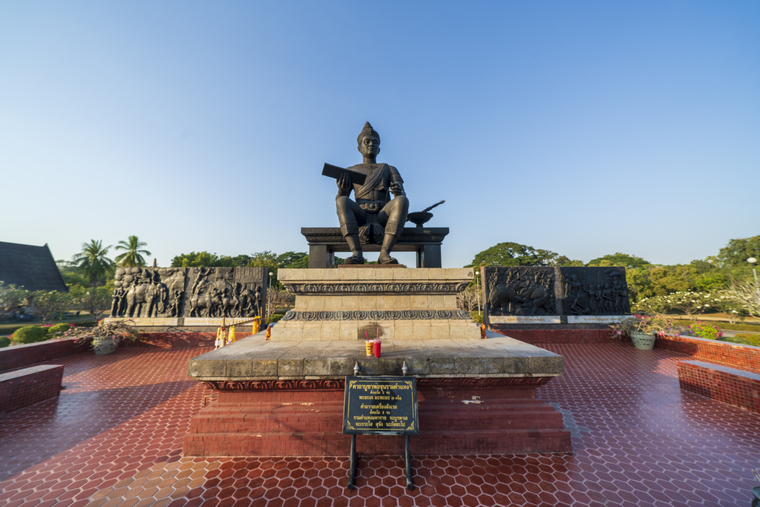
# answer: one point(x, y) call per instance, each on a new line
point(380, 406)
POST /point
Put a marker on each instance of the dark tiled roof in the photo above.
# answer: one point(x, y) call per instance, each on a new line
point(30, 267)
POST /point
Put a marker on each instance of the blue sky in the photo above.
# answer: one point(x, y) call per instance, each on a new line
point(586, 128)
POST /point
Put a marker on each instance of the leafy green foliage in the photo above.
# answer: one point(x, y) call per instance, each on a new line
point(30, 334)
point(209, 260)
point(514, 254)
point(738, 251)
point(4, 341)
point(274, 318)
point(293, 260)
point(57, 329)
point(71, 274)
point(132, 256)
point(744, 339)
point(93, 261)
point(619, 259)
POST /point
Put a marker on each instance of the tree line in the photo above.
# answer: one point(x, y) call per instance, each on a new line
point(89, 274)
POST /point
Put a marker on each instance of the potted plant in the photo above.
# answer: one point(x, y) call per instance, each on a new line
point(643, 329)
point(105, 337)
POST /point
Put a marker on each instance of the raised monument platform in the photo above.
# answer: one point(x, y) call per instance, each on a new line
point(425, 241)
point(285, 398)
point(349, 303)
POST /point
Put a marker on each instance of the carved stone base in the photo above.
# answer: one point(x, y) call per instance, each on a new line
point(349, 304)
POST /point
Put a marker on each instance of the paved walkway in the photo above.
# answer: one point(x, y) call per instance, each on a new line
point(114, 438)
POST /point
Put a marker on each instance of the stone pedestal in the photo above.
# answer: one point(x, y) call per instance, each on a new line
point(403, 303)
point(285, 398)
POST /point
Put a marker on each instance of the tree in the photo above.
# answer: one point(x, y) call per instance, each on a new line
point(12, 299)
point(468, 299)
point(49, 305)
point(514, 254)
point(736, 253)
point(132, 256)
point(619, 259)
point(267, 260)
point(196, 260)
point(567, 262)
point(95, 301)
point(93, 262)
point(746, 294)
point(293, 260)
point(279, 300)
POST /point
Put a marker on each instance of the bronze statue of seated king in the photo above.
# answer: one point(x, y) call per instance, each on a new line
point(380, 208)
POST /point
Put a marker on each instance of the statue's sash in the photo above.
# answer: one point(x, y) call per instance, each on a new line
point(374, 181)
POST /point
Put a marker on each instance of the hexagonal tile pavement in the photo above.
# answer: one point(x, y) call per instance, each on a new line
point(115, 436)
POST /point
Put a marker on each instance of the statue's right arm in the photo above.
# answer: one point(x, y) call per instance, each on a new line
point(344, 185)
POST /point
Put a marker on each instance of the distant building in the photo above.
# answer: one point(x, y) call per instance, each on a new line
point(31, 267)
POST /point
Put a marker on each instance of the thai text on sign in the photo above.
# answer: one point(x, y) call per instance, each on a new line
point(380, 405)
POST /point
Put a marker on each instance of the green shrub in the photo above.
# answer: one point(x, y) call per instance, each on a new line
point(274, 318)
point(477, 317)
point(30, 334)
point(58, 329)
point(745, 339)
point(4, 342)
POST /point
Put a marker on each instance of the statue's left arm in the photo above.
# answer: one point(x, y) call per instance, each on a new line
point(396, 183)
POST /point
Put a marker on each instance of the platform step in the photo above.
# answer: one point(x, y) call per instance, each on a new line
point(333, 444)
point(433, 417)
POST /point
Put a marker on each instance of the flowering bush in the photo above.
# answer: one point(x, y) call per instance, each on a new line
point(103, 331)
point(703, 330)
point(690, 303)
point(649, 324)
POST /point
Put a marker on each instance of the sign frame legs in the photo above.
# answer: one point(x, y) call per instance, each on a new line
point(352, 471)
point(407, 464)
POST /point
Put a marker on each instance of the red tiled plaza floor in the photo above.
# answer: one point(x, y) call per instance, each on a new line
point(114, 438)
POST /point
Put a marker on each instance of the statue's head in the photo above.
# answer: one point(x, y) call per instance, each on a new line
point(369, 141)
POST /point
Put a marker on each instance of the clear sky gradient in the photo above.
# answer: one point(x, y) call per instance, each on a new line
point(585, 128)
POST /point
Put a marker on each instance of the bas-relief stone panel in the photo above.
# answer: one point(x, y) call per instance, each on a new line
point(520, 291)
point(571, 291)
point(594, 291)
point(189, 292)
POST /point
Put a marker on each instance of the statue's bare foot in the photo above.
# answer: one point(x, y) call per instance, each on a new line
point(386, 259)
point(354, 259)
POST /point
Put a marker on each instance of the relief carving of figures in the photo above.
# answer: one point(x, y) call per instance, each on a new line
point(168, 292)
point(595, 291)
point(520, 291)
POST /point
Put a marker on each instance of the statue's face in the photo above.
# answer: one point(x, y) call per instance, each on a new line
point(370, 146)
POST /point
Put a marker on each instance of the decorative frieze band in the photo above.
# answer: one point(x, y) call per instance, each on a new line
point(273, 385)
point(483, 382)
point(295, 315)
point(376, 288)
point(450, 383)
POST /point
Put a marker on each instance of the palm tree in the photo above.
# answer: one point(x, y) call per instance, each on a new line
point(93, 261)
point(132, 256)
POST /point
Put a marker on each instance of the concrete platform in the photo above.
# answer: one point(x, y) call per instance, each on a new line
point(255, 358)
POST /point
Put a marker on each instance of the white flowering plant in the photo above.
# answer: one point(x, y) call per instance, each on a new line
point(689, 302)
